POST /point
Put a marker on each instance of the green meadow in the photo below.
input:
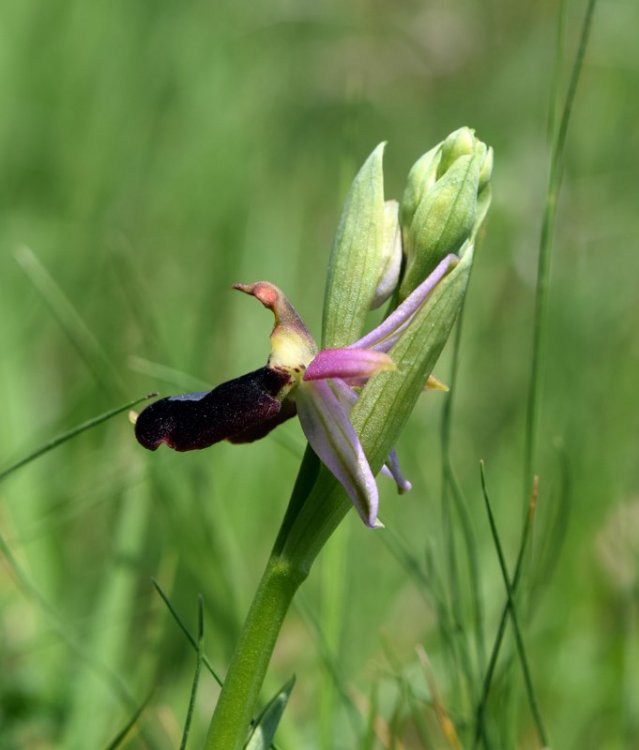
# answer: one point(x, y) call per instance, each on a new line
point(154, 153)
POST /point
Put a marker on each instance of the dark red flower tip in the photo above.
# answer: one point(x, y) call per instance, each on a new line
point(240, 410)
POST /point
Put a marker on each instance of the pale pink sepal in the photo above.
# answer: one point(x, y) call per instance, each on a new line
point(391, 469)
point(333, 438)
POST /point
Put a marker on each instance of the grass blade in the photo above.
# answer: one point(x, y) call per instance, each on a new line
point(70, 320)
point(501, 628)
point(546, 245)
point(122, 734)
point(186, 631)
point(66, 436)
point(532, 698)
point(196, 676)
point(449, 483)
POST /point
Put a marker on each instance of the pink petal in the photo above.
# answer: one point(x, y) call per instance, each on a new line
point(348, 364)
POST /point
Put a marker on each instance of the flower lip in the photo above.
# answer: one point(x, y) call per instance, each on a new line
point(232, 410)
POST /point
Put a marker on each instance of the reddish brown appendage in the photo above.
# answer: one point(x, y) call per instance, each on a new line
point(266, 293)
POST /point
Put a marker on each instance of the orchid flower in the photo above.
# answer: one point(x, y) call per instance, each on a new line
point(298, 378)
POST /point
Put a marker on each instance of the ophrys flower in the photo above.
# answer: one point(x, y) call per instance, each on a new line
point(320, 386)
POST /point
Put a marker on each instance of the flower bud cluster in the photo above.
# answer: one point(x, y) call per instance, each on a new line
point(384, 248)
point(445, 201)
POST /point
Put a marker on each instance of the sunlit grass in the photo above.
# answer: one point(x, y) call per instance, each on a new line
point(152, 156)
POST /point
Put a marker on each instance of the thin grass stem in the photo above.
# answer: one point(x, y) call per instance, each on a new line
point(70, 320)
point(532, 698)
point(66, 436)
point(501, 628)
point(196, 676)
point(189, 636)
point(451, 488)
point(195, 642)
point(122, 734)
point(546, 246)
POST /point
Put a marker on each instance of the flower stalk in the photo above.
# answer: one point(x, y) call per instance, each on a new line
point(231, 721)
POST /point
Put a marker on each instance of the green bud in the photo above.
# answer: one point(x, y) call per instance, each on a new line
point(486, 171)
point(357, 258)
point(459, 143)
point(484, 194)
point(391, 255)
point(449, 209)
point(421, 178)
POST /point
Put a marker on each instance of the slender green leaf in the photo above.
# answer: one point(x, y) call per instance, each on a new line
point(86, 344)
point(66, 436)
point(122, 734)
point(267, 722)
point(532, 698)
point(196, 676)
point(186, 631)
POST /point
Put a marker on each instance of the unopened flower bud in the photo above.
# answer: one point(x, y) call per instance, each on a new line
point(440, 208)
point(459, 143)
point(486, 171)
point(391, 261)
point(484, 193)
point(421, 178)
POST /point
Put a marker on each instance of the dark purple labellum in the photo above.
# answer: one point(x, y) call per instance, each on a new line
point(258, 431)
point(238, 410)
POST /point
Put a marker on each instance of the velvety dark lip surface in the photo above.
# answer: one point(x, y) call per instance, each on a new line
point(244, 408)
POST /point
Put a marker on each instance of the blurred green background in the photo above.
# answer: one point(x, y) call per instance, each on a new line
point(153, 153)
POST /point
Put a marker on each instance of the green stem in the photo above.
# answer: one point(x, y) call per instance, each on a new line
point(236, 704)
point(510, 605)
point(546, 249)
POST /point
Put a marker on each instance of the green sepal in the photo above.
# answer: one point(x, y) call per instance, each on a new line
point(357, 256)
